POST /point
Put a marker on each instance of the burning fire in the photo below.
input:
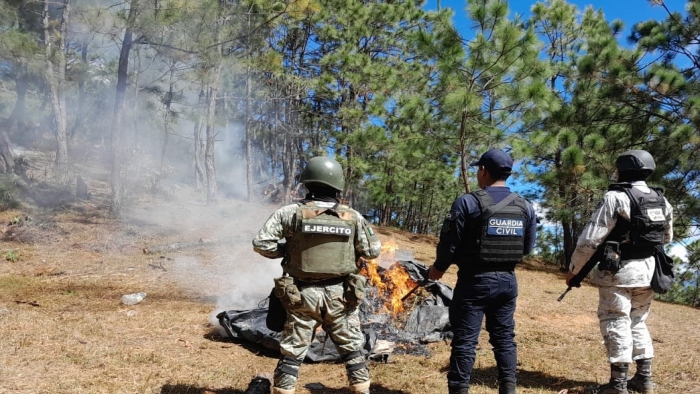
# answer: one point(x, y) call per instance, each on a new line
point(393, 283)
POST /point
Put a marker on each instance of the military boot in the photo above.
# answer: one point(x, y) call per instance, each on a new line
point(641, 381)
point(360, 388)
point(458, 390)
point(506, 387)
point(618, 381)
point(277, 390)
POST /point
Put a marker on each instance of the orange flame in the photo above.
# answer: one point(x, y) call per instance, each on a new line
point(393, 284)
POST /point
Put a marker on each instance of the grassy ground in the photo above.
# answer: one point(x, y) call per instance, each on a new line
point(64, 329)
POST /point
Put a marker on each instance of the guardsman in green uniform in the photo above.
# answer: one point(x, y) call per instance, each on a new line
point(323, 241)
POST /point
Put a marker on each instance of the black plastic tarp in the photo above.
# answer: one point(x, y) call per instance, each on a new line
point(427, 322)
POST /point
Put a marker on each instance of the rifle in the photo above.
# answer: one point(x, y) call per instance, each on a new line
point(598, 256)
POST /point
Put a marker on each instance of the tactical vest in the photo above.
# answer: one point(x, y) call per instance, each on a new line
point(500, 230)
point(323, 245)
point(646, 227)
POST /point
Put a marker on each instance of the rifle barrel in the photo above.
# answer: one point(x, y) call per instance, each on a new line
point(561, 297)
point(413, 290)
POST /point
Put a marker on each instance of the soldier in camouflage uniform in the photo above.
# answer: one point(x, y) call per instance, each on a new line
point(321, 287)
point(625, 294)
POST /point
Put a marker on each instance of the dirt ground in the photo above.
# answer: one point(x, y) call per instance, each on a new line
point(65, 330)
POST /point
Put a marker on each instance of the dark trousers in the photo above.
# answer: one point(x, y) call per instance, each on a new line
point(491, 295)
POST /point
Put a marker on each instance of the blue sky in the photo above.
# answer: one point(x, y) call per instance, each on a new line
point(629, 11)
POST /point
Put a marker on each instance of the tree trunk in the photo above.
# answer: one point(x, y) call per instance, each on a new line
point(18, 113)
point(289, 166)
point(199, 179)
point(570, 226)
point(348, 194)
point(166, 122)
point(463, 151)
point(116, 180)
point(80, 111)
point(55, 80)
point(385, 212)
point(135, 81)
point(249, 135)
point(429, 215)
point(7, 160)
point(409, 221)
point(209, 149)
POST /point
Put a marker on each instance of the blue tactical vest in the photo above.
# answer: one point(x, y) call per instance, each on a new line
point(497, 238)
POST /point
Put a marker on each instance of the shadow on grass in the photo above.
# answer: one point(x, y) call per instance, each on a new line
point(317, 388)
point(258, 385)
point(537, 265)
point(314, 388)
point(482, 376)
point(256, 349)
point(259, 349)
point(188, 389)
point(531, 380)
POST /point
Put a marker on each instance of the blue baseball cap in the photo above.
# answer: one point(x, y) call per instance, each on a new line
point(495, 161)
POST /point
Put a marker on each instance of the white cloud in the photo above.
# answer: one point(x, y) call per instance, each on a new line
point(678, 250)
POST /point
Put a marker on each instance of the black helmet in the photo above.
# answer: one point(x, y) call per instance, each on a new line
point(635, 161)
point(323, 170)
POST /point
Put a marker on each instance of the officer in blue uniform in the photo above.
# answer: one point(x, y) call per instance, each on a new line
point(486, 233)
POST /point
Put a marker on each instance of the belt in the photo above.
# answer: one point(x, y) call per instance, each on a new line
point(322, 282)
point(633, 252)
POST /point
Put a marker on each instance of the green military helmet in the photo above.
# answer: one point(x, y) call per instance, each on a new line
point(325, 171)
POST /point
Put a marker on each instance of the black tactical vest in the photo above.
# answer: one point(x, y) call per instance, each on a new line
point(499, 230)
point(646, 227)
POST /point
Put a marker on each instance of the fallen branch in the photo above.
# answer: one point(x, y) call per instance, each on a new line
point(32, 303)
point(178, 246)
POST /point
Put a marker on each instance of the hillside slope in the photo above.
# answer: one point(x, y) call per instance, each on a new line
point(66, 331)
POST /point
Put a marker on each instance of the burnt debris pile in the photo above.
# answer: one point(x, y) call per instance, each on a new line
point(396, 317)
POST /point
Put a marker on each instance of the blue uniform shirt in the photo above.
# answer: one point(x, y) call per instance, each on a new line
point(466, 208)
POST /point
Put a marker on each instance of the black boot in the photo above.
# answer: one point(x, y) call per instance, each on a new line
point(506, 387)
point(458, 389)
point(641, 381)
point(618, 380)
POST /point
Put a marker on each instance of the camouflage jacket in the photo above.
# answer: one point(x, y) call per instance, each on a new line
point(636, 272)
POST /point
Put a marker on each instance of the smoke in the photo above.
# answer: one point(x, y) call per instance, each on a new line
point(228, 272)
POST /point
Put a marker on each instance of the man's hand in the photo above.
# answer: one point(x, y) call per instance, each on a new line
point(434, 273)
point(569, 276)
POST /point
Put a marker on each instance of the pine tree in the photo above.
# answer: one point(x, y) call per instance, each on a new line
point(491, 82)
point(670, 93)
point(19, 50)
point(572, 148)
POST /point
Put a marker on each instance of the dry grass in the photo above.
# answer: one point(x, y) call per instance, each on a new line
point(64, 329)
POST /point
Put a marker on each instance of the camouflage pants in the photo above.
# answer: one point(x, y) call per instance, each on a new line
point(324, 306)
point(622, 313)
